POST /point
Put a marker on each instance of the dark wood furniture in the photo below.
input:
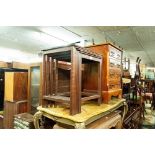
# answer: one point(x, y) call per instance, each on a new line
point(23, 121)
point(148, 85)
point(11, 109)
point(136, 108)
point(64, 76)
point(15, 100)
point(111, 71)
point(149, 92)
point(133, 118)
point(9, 84)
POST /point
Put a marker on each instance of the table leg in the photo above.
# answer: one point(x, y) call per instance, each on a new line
point(38, 117)
point(125, 110)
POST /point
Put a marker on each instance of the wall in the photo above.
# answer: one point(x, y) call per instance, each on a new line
point(9, 55)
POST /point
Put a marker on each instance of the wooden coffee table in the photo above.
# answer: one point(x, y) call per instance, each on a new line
point(90, 112)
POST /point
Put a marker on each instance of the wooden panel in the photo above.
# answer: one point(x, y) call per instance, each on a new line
point(20, 86)
point(111, 69)
point(11, 109)
point(105, 65)
point(63, 81)
point(57, 98)
point(89, 75)
point(112, 119)
point(9, 86)
point(16, 86)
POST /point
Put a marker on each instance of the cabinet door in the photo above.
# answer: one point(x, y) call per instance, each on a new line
point(34, 87)
point(20, 86)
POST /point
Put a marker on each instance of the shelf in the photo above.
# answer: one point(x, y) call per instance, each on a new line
point(57, 98)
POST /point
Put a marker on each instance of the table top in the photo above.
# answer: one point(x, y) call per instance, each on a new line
point(1, 112)
point(88, 110)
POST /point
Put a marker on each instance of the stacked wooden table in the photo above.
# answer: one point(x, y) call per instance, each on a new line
point(90, 113)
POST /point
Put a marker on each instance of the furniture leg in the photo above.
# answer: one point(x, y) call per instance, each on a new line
point(75, 106)
point(38, 117)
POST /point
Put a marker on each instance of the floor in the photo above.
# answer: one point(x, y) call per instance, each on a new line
point(149, 122)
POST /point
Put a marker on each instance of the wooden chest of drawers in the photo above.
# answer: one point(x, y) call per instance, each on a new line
point(111, 71)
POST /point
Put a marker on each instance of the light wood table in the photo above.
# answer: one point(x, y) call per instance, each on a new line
point(90, 113)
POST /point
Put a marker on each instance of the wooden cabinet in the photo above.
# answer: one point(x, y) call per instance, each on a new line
point(111, 71)
point(11, 109)
point(16, 84)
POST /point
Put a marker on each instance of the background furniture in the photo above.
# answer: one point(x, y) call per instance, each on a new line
point(148, 85)
point(111, 71)
point(16, 86)
point(23, 121)
point(63, 84)
point(134, 99)
point(34, 86)
point(11, 109)
point(9, 83)
point(133, 117)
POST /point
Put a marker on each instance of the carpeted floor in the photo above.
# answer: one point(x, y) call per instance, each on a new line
point(149, 122)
